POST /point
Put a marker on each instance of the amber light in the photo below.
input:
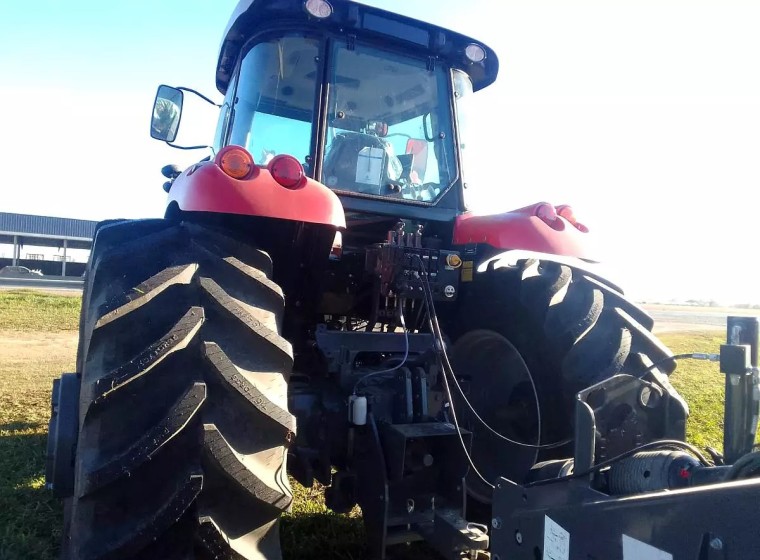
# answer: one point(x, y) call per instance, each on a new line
point(287, 171)
point(236, 162)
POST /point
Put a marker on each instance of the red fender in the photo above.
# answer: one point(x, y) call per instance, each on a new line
point(522, 229)
point(204, 187)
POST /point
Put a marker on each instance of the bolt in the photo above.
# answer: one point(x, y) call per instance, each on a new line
point(496, 522)
point(716, 544)
point(518, 537)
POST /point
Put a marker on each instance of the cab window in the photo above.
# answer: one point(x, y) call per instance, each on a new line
point(274, 100)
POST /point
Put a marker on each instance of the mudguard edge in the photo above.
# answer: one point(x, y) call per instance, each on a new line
point(204, 187)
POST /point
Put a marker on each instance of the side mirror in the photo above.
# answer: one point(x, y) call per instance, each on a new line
point(167, 111)
point(418, 148)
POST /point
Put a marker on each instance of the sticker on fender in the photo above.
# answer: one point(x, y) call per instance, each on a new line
point(637, 550)
point(556, 541)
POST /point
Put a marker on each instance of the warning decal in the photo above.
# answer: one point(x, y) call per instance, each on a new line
point(556, 541)
point(637, 550)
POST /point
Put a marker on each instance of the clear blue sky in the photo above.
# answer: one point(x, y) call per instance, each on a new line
point(643, 114)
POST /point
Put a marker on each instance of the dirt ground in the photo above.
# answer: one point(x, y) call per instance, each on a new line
point(74, 292)
point(29, 361)
point(19, 347)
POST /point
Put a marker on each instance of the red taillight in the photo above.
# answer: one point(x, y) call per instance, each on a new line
point(287, 171)
point(236, 162)
point(566, 212)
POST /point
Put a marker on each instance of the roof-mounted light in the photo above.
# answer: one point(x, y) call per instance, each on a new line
point(320, 9)
point(475, 53)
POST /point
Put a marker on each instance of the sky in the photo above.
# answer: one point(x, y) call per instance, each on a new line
point(644, 115)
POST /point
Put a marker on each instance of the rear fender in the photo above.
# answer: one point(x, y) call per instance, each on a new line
point(522, 229)
point(204, 187)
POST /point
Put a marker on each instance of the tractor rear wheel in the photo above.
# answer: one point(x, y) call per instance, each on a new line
point(561, 327)
point(183, 420)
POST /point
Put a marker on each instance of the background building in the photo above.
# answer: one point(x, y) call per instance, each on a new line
point(55, 246)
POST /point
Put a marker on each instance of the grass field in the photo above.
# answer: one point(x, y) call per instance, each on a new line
point(38, 341)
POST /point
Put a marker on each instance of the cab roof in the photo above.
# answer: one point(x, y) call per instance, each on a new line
point(251, 17)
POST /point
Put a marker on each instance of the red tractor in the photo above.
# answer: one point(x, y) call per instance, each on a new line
point(319, 301)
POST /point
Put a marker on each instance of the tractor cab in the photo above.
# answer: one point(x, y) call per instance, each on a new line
point(368, 101)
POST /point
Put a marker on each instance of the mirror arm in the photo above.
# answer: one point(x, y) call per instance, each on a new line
point(188, 147)
point(199, 94)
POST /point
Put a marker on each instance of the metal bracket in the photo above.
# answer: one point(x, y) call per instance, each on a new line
point(739, 360)
point(342, 347)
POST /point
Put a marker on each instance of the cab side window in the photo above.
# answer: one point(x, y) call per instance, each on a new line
point(273, 109)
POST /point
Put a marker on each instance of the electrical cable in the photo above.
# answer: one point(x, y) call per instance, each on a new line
point(448, 371)
point(748, 464)
point(428, 291)
point(454, 412)
point(459, 433)
point(671, 443)
point(446, 366)
point(691, 356)
point(448, 391)
point(394, 368)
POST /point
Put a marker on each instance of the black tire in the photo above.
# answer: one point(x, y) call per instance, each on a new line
point(105, 242)
point(183, 413)
point(571, 329)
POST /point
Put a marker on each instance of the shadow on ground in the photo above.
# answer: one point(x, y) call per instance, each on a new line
point(316, 536)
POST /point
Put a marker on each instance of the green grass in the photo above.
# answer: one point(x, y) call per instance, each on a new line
point(701, 385)
point(28, 310)
point(41, 330)
point(30, 519)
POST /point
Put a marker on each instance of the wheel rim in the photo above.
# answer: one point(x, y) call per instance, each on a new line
point(496, 381)
point(62, 435)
